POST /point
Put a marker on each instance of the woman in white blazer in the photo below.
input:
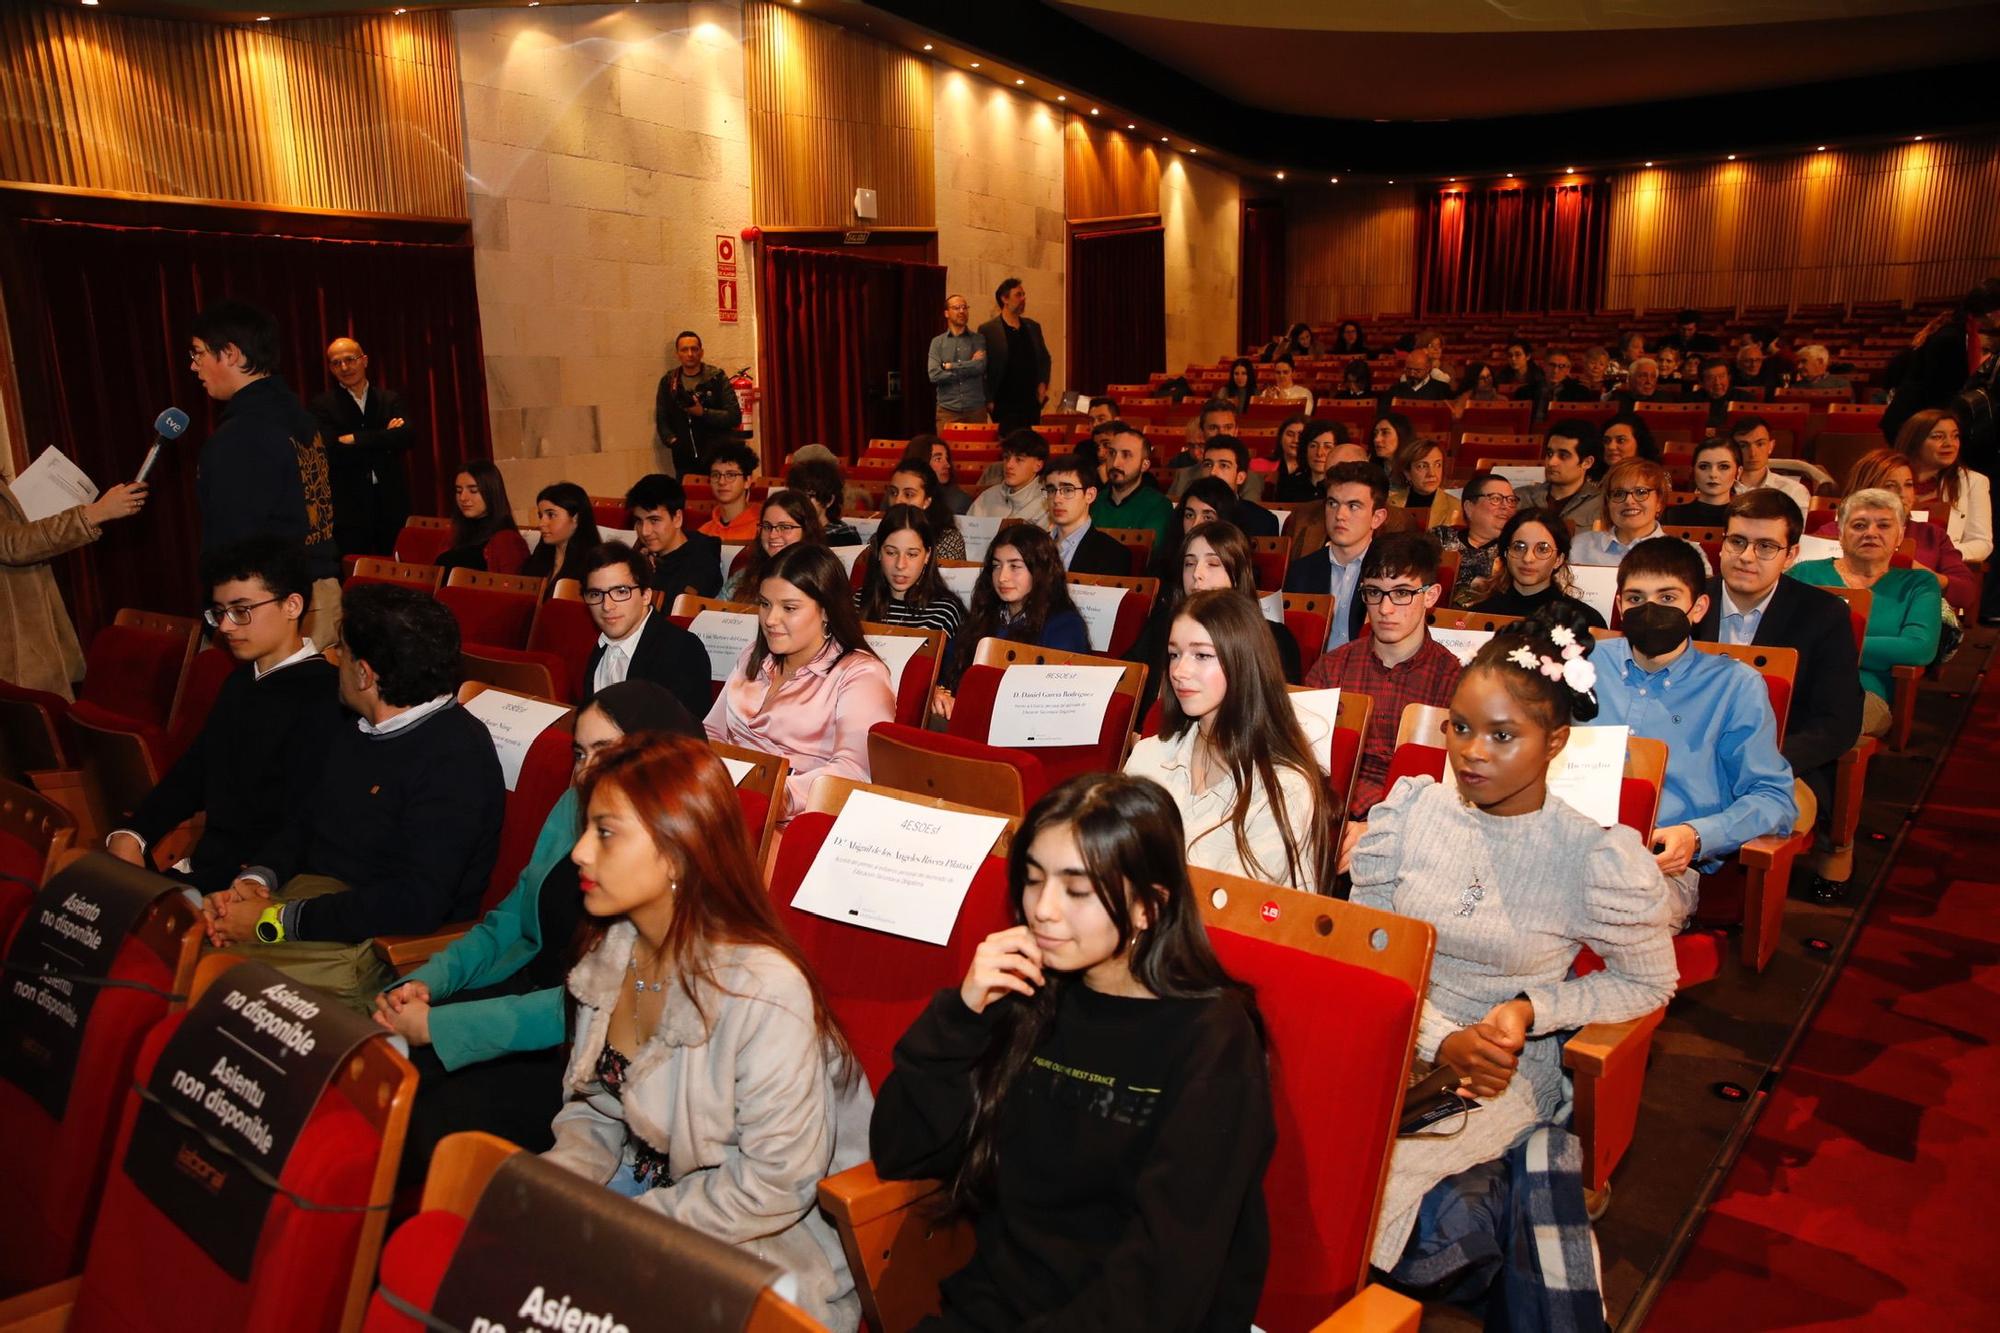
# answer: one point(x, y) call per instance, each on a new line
point(1953, 493)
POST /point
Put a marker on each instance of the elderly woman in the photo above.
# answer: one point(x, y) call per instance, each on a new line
point(1905, 617)
point(1890, 471)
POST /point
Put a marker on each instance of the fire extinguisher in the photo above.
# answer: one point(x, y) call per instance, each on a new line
point(746, 398)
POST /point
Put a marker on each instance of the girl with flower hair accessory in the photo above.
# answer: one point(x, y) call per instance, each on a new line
point(1516, 882)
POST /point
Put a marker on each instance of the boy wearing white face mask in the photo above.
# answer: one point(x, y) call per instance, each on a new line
point(1726, 781)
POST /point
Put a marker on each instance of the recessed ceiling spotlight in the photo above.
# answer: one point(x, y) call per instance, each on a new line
point(1093, 111)
point(1649, 164)
point(1194, 150)
point(1281, 175)
point(1131, 127)
point(1510, 175)
point(1917, 139)
point(1820, 149)
point(975, 64)
point(1451, 178)
point(927, 46)
point(1569, 171)
point(90, 3)
point(1019, 82)
point(1163, 138)
point(1062, 97)
point(1334, 181)
point(1732, 157)
point(263, 18)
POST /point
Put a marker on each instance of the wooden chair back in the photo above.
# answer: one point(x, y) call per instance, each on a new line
point(1138, 541)
point(1422, 724)
point(905, 764)
point(1446, 617)
point(1778, 666)
point(767, 776)
point(689, 605)
point(375, 569)
point(528, 584)
point(1860, 601)
point(920, 673)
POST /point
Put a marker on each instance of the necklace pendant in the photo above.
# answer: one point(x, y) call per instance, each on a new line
point(1474, 894)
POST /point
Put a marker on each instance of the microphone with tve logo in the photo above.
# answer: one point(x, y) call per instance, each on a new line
point(166, 426)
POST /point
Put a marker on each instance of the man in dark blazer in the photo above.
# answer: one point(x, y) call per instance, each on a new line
point(1357, 503)
point(1071, 483)
point(1017, 361)
point(1752, 602)
point(367, 429)
point(632, 642)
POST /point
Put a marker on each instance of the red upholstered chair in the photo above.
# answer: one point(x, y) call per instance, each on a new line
point(519, 670)
point(972, 713)
point(1505, 418)
point(947, 767)
point(34, 832)
point(54, 1169)
point(313, 1268)
point(1307, 616)
point(374, 569)
point(33, 732)
point(136, 665)
point(495, 610)
point(610, 512)
point(563, 629)
point(1139, 541)
point(920, 673)
point(760, 792)
point(416, 1258)
point(1133, 609)
point(1270, 556)
point(423, 540)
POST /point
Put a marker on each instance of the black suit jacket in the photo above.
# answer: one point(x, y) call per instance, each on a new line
point(1255, 520)
point(1097, 553)
point(1826, 698)
point(667, 655)
point(371, 495)
point(994, 331)
point(1314, 574)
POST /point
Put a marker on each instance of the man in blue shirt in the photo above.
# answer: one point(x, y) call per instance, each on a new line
point(1726, 781)
point(957, 365)
point(1357, 503)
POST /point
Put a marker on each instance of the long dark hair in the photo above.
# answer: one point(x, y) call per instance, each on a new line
point(499, 514)
point(1239, 397)
point(1278, 447)
point(573, 500)
point(682, 794)
point(936, 512)
point(1130, 835)
point(1910, 444)
point(818, 573)
point(1214, 492)
point(1255, 733)
point(1554, 702)
point(1049, 595)
point(929, 587)
point(1552, 521)
point(799, 508)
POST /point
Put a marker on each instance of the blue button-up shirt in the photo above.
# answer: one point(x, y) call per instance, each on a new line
point(1066, 546)
point(962, 388)
point(1740, 627)
point(1604, 547)
point(1725, 776)
point(1345, 587)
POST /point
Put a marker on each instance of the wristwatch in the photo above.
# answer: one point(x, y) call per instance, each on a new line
point(271, 926)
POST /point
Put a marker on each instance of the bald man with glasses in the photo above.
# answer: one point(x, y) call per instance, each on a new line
point(958, 368)
point(367, 430)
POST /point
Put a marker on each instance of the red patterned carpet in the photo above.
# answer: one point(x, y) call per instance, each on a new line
point(1864, 1198)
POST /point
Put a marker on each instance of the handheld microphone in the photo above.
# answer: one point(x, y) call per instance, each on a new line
point(166, 426)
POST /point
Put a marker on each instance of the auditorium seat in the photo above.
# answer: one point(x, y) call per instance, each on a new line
point(423, 540)
point(34, 832)
point(493, 609)
point(953, 768)
point(1139, 541)
point(1133, 609)
point(374, 569)
point(920, 673)
point(972, 711)
point(759, 791)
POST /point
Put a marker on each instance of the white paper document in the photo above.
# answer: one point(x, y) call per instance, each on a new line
point(896, 650)
point(1319, 717)
point(729, 554)
point(1272, 604)
point(50, 485)
point(849, 556)
point(865, 526)
point(513, 722)
point(961, 579)
point(739, 769)
point(1039, 706)
point(1589, 774)
point(978, 534)
point(897, 866)
point(1463, 644)
point(1818, 548)
point(532, 536)
point(1099, 607)
point(1596, 586)
point(726, 634)
point(1518, 475)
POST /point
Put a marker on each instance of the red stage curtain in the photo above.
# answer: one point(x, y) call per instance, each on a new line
point(830, 330)
point(1519, 248)
point(98, 316)
point(1261, 312)
point(1117, 307)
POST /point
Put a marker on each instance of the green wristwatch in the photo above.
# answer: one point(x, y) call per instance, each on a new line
point(271, 926)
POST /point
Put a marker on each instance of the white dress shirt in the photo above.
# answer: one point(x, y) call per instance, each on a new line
point(616, 664)
point(1207, 817)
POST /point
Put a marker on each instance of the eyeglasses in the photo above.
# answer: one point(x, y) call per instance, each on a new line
point(731, 475)
point(597, 596)
point(1396, 596)
point(1064, 490)
point(238, 612)
point(1497, 500)
point(779, 529)
point(1766, 550)
point(1635, 493)
point(344, 361)
point(1540, 550)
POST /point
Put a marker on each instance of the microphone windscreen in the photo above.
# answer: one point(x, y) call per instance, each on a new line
point(170, 423)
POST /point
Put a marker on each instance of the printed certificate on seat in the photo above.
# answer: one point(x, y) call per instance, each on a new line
point(897, 866)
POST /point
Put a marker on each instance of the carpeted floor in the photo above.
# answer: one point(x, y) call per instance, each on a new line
point(1862, 1199)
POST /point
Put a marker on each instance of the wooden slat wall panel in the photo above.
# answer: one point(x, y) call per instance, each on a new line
point(335, 114)
point(1896, 222)
point(1349, 251)
point(1107, 173)
point(832, 111)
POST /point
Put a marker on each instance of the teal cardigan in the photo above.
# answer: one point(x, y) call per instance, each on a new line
point(1904, 620)
point(501, 944)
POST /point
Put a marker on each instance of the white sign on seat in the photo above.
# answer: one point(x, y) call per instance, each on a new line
point(1038, 706)
point(897, 866)
point(726, 635)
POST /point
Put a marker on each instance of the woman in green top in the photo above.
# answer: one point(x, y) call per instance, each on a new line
point(1906, 615)
point(484, 1017)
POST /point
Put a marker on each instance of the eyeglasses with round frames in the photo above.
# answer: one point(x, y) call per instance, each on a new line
point(238, 612)
point(1634, 493)
point(621, 592)
point(1765, 549)
point(1540, 550)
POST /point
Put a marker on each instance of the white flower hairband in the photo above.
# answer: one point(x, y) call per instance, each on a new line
point(1572, 668)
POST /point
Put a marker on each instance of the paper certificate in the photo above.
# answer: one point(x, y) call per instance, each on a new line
point(1272, 604)
point(979, 533)
point(896, 650)
point(1319, 717)
point(1039, 706)
point(961, 579)
point(51, 485)
point(726, 634)
point(1463, 644)
point(1099, 607)
point(513, 722)
point(1596, 586)
point(849, 555)
point(865, 526)
point(729, 554)
point(532, 536)
point(897, 866)
point(1589, 774)
point(1818, 548)
point(1520, 474)
point(739, 769)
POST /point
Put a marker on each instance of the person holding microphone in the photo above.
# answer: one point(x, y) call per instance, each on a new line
point(38, 644)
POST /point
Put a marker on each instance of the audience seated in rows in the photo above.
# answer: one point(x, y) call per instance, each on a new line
point(1018, 495)
point(1635, 494)
point(1397, 663)
point(1516, 882)
point(677, 560)
point(1753, 435)
point(568, 525)
point(730, 473)
point(913, 483)
point(1885, 469)
point(1021, 595)
point(1727, 781)
point(939, 453)
point(786, 518)
point(1751, 602)
point(1718, 461)
point(1489, 502)
point(1072, 485)
point(1213, 555)
point(903, 586)
point(633, 641)
point(1627, 437)
point(808, 687)
point(707, 1078)
point(259, 757)
point(1572, 468)
point(1946, 489)
point(1129, 497)
point(1227, 459)
point(1533, 570)
point(1814, 360)
point(1070, 1113)
point(1357, 503)
point(483, 535)
point(486, 1017)
point(400, 836)
point(815, 474)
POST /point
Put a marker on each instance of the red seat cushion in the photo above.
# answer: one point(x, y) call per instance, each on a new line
point(1308, 630)
point(206, 675)
point(413, 1267)
point(562, 683)
point(144, 1275)
point(1697, 953)
point(21, 866)
point(756, 809)
point(1334, 1088)
point(422, 546)
point(1034, 778)
point(134, 672)
point(490, 616)
point(564, 629)
point(545, 774)
point(878, 983)
point(972, 719)
point(153, 736)
point(53, 1172)
point(913, 691)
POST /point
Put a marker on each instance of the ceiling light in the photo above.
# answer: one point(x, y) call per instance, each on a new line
point(975, 64)
point(927, 46)
point(1281, 175)
point(1131, 127)
point(1062, 97)
point(91, 3)
point(1820, 149)
point(1336, 181)
point(1649, 164)
point(1194, 150)
point(1569, 171)
point(263, 18)
point(1510, 175)
point(1163, 138)
point(1917, 139)
point(1019, 82)
point(1451, 178)
point(1093, 111)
